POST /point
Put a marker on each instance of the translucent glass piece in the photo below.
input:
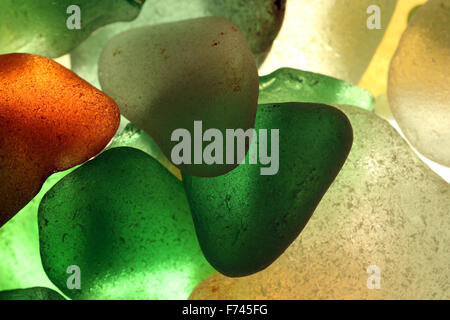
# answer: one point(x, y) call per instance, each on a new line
point(260, 20)
point(386, 211)
point(419, 81)
point(329, 37)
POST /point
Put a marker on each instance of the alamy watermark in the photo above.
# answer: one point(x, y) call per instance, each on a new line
point(374, 20)
point(74, 20)
point(74, 280)
point(213, 153)
point(374, 280)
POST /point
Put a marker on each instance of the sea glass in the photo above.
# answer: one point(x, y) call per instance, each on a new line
point(50, 120)
point(20, 261)
point(287, 84)
point(260, 20)
point(245, 219)
point(41, 27)
point(330, 37)
point(419, 77)
point(124, 221)
point(385, 215)
point(375, 77)
point(206, 75)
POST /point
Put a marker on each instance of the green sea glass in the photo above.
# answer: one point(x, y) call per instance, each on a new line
point(124, 220)
point(386, 210)
point(20, 261)
point(287, 84)
point(31, 294)
point(245, 220)
point(260, 20)
point(40, 27)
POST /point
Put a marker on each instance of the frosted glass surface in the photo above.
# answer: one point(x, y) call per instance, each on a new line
point(419, 81)
point(385, 208)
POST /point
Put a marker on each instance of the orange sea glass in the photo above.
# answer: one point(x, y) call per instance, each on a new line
point(50, 120)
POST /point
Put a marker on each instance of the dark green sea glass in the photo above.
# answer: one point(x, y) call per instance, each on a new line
point(124, 220)
point(293, 85)
point(40, 27)
point(37, 293)
point(245, 220)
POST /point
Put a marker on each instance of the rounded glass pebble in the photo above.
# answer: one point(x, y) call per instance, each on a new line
point(218, 88)
point(386, 211)
point(246, 218)
point(419, 77)
point(50, 120)
point(124, 221)
point(259, 20)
